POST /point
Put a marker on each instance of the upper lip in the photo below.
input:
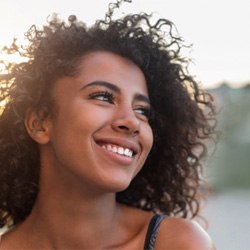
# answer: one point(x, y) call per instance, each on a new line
point(122, 142)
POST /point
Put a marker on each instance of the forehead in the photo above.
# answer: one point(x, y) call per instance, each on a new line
point(110, 67)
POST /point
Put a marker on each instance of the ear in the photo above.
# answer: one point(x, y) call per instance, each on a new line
point(37, 127)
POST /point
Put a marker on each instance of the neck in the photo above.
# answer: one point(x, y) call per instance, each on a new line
point(71, 213)
point(65, 222)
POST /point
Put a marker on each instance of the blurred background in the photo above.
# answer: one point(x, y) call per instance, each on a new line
point(220, 35)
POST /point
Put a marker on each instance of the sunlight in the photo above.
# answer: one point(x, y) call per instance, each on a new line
point(217, 58)
point(10, 58)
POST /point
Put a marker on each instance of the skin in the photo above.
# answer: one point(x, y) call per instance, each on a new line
point(79, 178)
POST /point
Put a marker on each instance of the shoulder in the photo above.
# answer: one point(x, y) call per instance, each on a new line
point(176, 233)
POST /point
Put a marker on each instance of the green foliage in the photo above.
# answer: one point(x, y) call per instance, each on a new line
point(230, 165)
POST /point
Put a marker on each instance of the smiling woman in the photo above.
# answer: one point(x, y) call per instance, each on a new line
point(107, 117)
point(100, 134)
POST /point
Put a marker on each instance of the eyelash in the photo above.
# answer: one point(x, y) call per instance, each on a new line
point(143, 111)
point(105, 96)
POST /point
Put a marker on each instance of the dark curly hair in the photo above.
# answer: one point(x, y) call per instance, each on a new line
point(181, 119)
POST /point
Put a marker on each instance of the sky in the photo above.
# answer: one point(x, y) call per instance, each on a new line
point(219, 30)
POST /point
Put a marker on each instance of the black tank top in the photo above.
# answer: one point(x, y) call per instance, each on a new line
point(152, 231)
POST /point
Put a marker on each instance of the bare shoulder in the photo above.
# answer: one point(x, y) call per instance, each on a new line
point(176, 233)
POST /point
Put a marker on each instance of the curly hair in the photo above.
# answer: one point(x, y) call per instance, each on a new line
point(181, 119)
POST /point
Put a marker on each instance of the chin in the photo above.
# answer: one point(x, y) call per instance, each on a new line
point(117, 186)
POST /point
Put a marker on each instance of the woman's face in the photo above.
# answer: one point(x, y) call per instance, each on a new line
point(100, 135)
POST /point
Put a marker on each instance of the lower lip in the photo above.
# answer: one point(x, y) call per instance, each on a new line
point(120, 159)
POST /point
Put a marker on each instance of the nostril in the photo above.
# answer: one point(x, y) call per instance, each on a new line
point(123, 127)
point(126, 129)
point(126, 126)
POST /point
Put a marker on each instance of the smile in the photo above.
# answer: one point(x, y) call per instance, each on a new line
point(118, 150)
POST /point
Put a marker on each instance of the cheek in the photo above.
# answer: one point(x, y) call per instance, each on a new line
point(149, 139)
point(147, 142)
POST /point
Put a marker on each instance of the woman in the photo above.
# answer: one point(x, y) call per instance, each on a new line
point(101, 139)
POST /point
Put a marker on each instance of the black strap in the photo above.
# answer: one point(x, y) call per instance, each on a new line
point(152, 231)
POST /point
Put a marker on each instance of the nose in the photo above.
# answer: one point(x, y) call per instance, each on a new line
point(125, 121)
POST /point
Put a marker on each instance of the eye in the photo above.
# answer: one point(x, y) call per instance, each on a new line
point(145, 111)
point(104, 96)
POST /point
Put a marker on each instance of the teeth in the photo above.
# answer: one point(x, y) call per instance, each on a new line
point(119, 150)
point(128, 152)
point(114, 149)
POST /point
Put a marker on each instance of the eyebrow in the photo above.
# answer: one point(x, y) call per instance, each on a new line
point(102, 83)
point(114, 88)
